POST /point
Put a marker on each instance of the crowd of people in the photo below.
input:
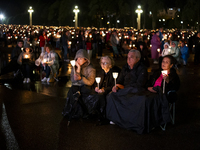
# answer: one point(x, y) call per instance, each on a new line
point(120, 100)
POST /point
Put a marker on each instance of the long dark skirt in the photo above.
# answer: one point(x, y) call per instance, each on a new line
point(139, 112)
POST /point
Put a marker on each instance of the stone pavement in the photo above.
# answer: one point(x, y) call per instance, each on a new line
point(30, 116)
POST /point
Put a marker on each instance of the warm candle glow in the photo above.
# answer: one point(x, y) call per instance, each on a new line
point(73, 62)
point(98, 79)
point(158, 50)
point(115, 75)
point(164, 72)
point(26, 56)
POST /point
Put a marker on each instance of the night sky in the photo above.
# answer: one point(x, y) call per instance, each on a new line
point(13, 7)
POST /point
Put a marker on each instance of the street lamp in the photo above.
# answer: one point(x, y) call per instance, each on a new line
point(76, 11)
point(30, 11)
point(138, 11)
point(2, 16)
point(182, 24)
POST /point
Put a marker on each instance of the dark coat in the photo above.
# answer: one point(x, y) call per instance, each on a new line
point(136, 77)
point(109, 81)
point(16, 52)
point(174, 81)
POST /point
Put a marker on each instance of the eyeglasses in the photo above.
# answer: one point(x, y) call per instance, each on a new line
point(104, 63)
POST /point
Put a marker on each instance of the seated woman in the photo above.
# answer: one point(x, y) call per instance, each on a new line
point(82, 78)
point(26, 60)
point(49, 62)
point(172, 81)
point(106, 82)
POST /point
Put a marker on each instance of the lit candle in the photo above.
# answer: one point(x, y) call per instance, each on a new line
point(158, 50)
point(193, 45)
point(133, 45)
point(98, 79)
point(44, 60)
point(150, 45)
point(115, 75)
point(26, 56)
point(73, 62)
point(164, 72)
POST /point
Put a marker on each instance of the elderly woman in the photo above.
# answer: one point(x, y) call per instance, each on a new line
point(107, 80)
point(49, 62)
point(26, 60)
point(106, 83)
point(82, 78)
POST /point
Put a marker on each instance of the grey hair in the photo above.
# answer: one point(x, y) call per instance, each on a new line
point(137, 53)
point(111, 60)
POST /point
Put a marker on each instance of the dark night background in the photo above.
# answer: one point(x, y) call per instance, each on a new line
point(60, 12)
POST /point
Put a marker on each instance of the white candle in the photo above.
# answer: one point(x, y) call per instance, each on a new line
point(115, 75)
point(98, 79)
point(158, 50)
point(164, 72)
point(73, 62)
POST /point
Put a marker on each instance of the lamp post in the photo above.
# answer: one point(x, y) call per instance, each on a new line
point(30, 12)
point(76, 11)
point(139, 11)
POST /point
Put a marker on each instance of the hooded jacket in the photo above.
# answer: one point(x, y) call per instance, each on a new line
point(175, 51)
point(87, 73)
point(166, 51)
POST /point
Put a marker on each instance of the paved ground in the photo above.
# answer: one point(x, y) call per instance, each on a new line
point(30, 116)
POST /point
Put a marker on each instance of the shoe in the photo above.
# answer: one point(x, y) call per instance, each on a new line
point(112, 123)
point(28, 80)
point(44, 79)
point(50, 80)
point(24, 80)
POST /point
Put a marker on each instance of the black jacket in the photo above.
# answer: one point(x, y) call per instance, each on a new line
point(174, 81)
point(15, 53)
point(136, 77)
point(107, 80)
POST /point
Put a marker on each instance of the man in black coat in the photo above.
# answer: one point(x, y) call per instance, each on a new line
point(124, 108)
point(134, 73)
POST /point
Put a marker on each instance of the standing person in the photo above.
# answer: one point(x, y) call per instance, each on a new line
point(184, 52)
point(99, 45)
point(197, 49)
point(43, 41)
point(161, 38)
point(26, 60)
point(65, 40)
point(114, 42)
point(144, 54)
point(89, 48)
point(94, 43)
point(155, 42)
